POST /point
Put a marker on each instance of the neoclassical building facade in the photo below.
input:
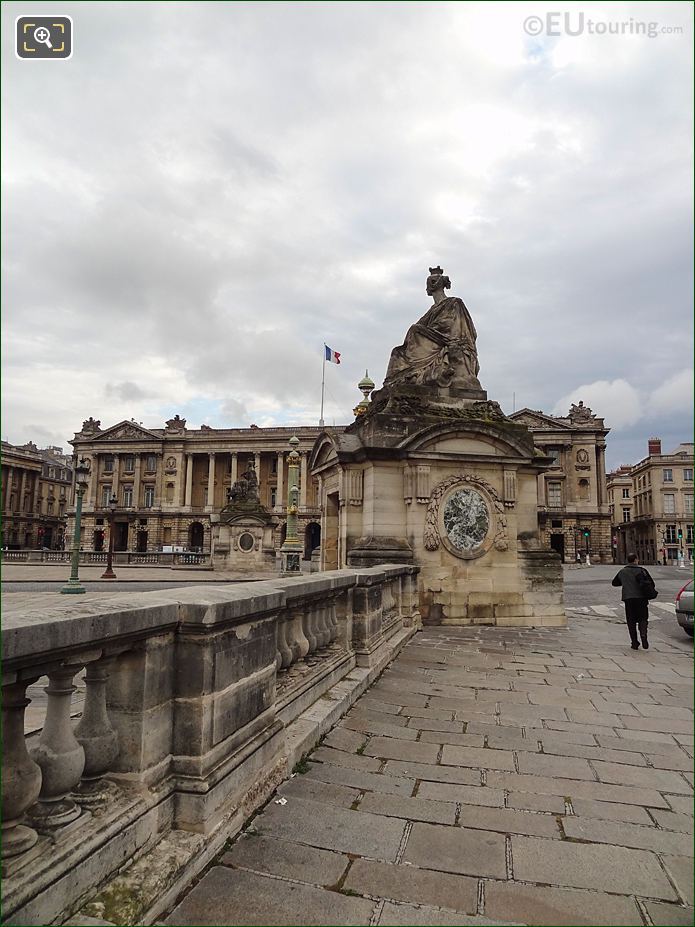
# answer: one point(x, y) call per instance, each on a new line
point(168, 481)
point(36, 493)
point(573, 512)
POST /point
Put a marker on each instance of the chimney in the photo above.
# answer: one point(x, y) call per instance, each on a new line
point(654, 446)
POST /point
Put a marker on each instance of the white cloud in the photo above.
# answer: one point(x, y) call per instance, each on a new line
point(673, 396)
point(616, 401)
point(191, 218)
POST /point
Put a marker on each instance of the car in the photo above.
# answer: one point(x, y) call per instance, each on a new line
point(684, 608)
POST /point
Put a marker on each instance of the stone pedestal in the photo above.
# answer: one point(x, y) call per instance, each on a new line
point(242, 539)
point(433, 473)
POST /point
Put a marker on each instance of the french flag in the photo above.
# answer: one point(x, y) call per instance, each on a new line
point(331, 355)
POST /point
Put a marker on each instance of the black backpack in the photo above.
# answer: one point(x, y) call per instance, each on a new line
point(646, 584)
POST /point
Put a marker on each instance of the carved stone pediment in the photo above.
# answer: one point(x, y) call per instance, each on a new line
point(128, 431)
point(536, 419)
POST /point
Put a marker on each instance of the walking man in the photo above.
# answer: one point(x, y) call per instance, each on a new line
point(638, 588)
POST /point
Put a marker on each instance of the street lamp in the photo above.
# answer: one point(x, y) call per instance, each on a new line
point(73, 585)
point(108, 572)
point(291, 550)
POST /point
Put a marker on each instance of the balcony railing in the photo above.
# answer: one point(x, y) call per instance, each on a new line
point(150, 558)
point(197, 703)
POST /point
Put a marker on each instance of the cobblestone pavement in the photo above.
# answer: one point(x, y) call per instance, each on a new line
point(489, 776)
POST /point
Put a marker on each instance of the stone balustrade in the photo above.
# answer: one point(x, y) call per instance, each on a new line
point(123, 558)
point(198, 702)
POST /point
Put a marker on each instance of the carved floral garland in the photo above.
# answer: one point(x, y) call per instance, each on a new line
point(432, 538)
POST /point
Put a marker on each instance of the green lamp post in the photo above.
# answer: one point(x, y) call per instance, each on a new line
point(291, 550)
point(73, 585)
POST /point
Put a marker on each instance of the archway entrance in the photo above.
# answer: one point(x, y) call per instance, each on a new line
point(196, 534)
point(141, 542)
point(312, 539)
point(557, 543)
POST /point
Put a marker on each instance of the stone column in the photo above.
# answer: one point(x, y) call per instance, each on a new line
point(22, 490)
point(303, 482)
point(21, 777)
point(280, 492)
point(115, 478)
point(159, 476)
point(234, 468)
point(257, 465)
point(136, 481)
point(93, 480)
point(211, 482)
point(9, 478)
point(35, 494)
point(189, 480)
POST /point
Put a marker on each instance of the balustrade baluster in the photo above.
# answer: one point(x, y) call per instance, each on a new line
point(59, 755)
point(282, 645)
point(332, 623)
point(97, 737)
point(299, 635)
point(21, 776)
point(324, 635)
point(310, 626)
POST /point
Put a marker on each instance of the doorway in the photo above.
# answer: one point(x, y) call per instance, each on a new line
point(312, 539)
point(195, 536)
point(120, 538)
point(141, 542)
point(557, 543)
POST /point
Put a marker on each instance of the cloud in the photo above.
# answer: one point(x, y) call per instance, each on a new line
point(192, 220)
point(616, 401)
point(673, 396)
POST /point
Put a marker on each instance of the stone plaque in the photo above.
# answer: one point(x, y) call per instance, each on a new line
point(466, 520)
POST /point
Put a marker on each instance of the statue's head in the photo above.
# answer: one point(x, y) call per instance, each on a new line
point(437, 281)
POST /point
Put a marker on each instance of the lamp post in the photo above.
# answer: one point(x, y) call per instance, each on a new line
point(108, 572)
point(291, 550)
point(73, 585)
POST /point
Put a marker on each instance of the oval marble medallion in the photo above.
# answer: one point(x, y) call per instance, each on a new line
point(466, 519)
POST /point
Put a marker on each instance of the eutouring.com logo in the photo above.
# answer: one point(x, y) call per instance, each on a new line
point(577, 23)
point(43, 37)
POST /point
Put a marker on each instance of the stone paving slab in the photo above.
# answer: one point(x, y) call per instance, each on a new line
point(670, 915)
point(287, 858)
point(259, 900)
point(408, 883)
point(457, 849)
point(532, 904)
point(533, 821)
point(346, 831)
point(594, 866)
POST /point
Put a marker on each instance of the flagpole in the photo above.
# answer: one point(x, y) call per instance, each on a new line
point(323, 385)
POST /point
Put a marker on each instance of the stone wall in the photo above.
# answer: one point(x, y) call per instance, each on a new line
point(199, 701)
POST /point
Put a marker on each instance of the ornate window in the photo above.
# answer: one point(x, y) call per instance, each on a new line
point(626, 492)
point(688, 504)
point(688, 476)
point(669, 503)
point(626, 514)
point(127, 496)
point(151, 463)
point(129, 463)
point(668, 476)
point(105, 495)
point(554, 495)
point(149, 497)
point(108, 464)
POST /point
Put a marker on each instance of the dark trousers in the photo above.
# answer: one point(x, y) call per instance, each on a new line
point(637, 616)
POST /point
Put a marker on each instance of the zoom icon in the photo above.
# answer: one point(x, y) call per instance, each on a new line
point(43, 37)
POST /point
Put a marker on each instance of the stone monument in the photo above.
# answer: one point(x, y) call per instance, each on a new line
point(242, 533)
point(432, 472)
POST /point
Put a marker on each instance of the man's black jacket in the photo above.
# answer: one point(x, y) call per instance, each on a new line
point(629, 579)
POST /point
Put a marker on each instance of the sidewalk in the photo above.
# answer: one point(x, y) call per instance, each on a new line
point(489, 776)
point(17, 573)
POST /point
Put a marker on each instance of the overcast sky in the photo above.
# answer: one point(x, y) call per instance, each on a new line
point(205, 193)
